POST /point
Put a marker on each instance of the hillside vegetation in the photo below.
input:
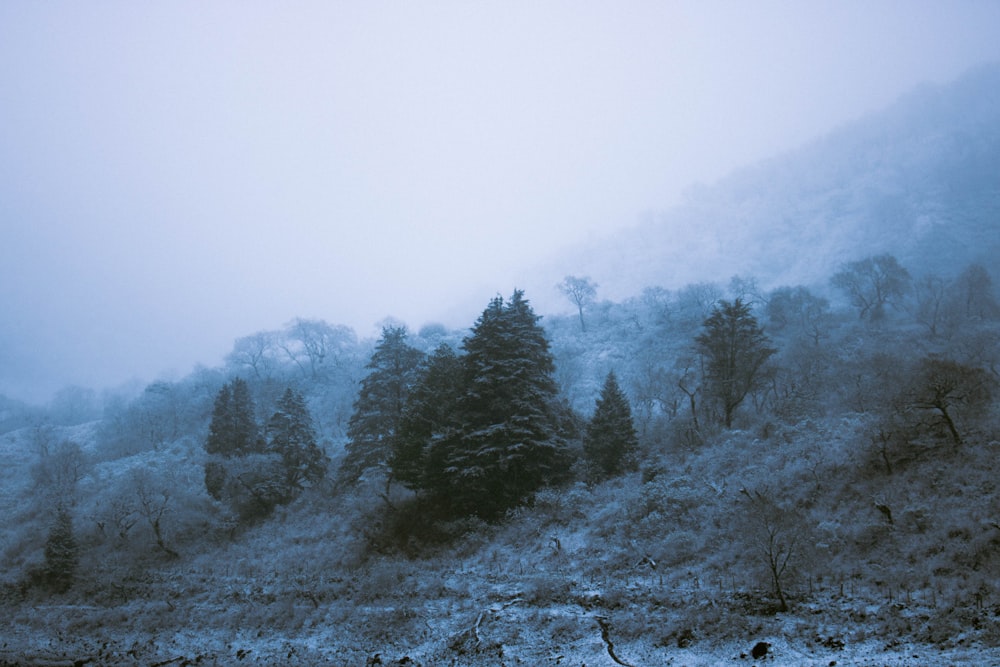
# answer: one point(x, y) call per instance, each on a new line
point(917, 180)
point(792, 464)
point(851, 503)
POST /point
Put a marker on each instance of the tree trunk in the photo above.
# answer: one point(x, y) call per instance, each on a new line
point(159, 540)
point(950, 424)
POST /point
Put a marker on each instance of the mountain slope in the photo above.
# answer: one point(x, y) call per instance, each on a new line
point(920, 179)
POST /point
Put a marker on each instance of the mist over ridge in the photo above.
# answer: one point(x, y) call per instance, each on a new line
point(917, 179)
point(632, 456)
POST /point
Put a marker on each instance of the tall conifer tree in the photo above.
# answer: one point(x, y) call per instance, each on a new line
point(233, 430)
point(508, 444)
point(291, 436)
point(378, 410)
point(610, 444)
point(428, 421)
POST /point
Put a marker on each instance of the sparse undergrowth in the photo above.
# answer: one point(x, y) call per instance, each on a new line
point(842, 501)
point(659, 558)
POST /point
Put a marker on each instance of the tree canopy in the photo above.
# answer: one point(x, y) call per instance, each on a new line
point(233, 430)
point(581, 291)
point(292, 437)
point(872, 283)
point(428, 420)
point(378, 410)
point(735, 350)
point(502, 441)
point(610, 444)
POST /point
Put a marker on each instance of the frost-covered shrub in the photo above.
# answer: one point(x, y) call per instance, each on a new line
point(672, 500)
point(546, 588)
point(251, 485)
point(563, 505)
point(679, 547)
point(384, 579)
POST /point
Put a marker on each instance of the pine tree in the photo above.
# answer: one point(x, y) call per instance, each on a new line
point(508, 445)
point(292, 437)
point(428, 420)
point(246, 433)
point(610, 444)
point(233, 430)
point(220, 440)
point(378, 410)
point(232, 434)
point(735, 350)
point(61, 553)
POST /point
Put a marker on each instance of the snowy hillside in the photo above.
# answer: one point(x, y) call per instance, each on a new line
point(722, 472)
point(918, 179)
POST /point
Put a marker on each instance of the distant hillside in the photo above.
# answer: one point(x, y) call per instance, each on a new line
point(920, 179)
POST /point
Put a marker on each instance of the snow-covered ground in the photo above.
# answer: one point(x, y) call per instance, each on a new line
point(502, 637)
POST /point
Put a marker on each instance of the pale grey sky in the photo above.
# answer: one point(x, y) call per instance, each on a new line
point(174, 175)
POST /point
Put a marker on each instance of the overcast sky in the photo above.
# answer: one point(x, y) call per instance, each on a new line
point(174, 175)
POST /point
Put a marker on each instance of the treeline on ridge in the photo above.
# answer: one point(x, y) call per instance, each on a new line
point(439, 426)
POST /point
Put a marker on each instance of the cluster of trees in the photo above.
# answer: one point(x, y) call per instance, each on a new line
point(56, 473)
point(313, 347)
point(478, 433)
point(474, 434)
point(476, 426)
point(876, 283)
point(254, 470)
point(478, 430)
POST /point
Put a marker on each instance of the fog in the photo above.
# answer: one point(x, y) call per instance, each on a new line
point(178, 175)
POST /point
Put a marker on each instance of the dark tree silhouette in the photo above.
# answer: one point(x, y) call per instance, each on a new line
point(735, 350)
point(378, 410)
point(610, 444)
point(773, 532)
point(942, 387)
point(507, 443)
point(233, 430)
point(428, 420)
point(291, 436)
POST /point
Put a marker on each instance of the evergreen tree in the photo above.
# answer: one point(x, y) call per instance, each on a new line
point(292, 437)
point(232, 434)
point(508, 444)
point(220, 440)
point(610, 444)
point(378, 410)
point(428, 420)
point(735, 349)
point(61, 553)
point(233, 430)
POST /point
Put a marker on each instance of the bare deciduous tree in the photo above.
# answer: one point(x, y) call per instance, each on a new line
point(872, 283)
point(942, 387)
point(57, 471)
point(153, 502)
point(312, 345)
point(581, 291)
point(256, 352)
point(774, 533)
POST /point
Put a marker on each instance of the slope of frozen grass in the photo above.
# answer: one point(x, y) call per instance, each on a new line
point(662, 558)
